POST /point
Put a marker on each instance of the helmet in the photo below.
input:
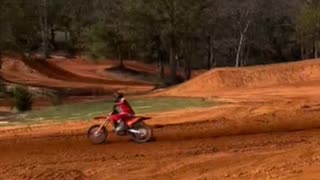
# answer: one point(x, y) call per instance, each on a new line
point(118, 95)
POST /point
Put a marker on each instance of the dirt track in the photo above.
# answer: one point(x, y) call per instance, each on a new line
point(224, 146)
point(80, 74)
point(265, 133)
point(81, 77)
point(174, 155)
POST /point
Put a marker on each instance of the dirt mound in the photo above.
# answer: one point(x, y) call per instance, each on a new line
point(51, 70)
point(224, 79)
point(155, 70)
point(109, 70)
point(80, 83)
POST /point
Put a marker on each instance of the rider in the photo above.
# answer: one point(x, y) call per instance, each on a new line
point(126, 111)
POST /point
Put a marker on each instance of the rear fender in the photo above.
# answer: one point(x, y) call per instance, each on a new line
point(135, 120)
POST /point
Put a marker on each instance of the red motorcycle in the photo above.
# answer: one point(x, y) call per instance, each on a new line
point(136, 128)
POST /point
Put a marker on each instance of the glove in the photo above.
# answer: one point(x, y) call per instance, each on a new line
point(114, 111)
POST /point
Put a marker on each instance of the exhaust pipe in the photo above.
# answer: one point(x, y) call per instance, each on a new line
point(134, 131)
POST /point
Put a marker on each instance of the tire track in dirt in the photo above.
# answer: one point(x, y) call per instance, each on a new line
point(70, 158)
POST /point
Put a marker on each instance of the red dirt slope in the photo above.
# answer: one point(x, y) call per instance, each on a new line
point(216, 82)
point(51, 70)
point(83, 66)
point(15, 71)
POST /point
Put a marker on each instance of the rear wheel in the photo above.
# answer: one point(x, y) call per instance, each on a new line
point(144, 132)
point(97, 137)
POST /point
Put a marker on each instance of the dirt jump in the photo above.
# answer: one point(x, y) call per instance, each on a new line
point(48, 74)
point(265, 126)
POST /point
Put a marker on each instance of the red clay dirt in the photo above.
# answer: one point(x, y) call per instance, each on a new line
point(268, 130)
point(48, 75)
point(50, 69)
point(228, 80)
point(78, 74)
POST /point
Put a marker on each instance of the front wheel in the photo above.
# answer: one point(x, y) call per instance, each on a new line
point(97, 137)
point(144, 133)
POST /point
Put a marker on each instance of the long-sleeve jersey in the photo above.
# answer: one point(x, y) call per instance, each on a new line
point(125, 107)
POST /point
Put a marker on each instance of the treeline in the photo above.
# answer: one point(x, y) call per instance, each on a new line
point(183, 33)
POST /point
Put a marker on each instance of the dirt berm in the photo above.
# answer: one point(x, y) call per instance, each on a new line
point(227, 79)
point(53, 71)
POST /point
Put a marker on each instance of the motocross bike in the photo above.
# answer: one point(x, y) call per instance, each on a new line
point(135, 127)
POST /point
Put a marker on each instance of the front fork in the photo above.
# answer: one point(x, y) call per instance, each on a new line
point(105, 123)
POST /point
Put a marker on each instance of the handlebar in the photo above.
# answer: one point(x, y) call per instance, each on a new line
point(114, 111)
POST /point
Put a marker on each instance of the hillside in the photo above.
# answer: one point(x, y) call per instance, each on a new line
point(220, 81)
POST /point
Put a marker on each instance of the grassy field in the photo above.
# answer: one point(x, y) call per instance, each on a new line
point(87, 111)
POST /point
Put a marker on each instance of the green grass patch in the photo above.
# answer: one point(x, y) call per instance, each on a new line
point(87, 111)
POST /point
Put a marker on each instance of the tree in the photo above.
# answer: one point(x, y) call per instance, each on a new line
point(273, 32)
point(72, 17)
point(147, 37)
point(3, 30)
point(169, 26)
point(23, 98)
point(3, 33)
point(109, 35)
point(22, 28)
point(185, 34)
point(309, 24)
point(192, 24)
point(244, 15)
point(43, 16)
point(102, 42)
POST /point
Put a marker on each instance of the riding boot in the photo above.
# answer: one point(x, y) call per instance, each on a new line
point(120, 127)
